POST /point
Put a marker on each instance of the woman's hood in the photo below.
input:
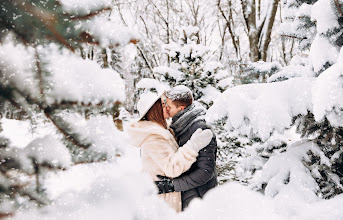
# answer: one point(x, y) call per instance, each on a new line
point(140, 130)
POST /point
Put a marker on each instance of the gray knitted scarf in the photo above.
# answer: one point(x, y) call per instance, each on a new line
point(184, 119)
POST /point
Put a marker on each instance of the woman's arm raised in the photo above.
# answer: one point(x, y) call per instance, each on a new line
point(174, 163)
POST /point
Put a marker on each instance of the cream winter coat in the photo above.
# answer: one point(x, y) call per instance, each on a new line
point(161, 155)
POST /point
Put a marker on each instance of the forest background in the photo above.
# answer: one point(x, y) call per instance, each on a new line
point(269, 72)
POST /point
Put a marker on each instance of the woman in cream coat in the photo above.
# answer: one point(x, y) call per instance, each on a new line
point(160, 153)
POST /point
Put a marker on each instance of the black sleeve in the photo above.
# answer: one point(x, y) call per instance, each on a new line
point(203, 171)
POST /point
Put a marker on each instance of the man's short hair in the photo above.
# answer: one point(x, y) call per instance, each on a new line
point(180, 95)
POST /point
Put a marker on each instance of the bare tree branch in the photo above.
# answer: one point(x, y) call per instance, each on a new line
point(234, 38)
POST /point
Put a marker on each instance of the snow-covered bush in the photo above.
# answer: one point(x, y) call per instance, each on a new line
point(299, 67)
point(257, 72)
point(253, 114)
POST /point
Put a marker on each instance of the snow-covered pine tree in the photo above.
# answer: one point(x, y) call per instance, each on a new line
point(187, 56)
point(191, 66)
point(297, 22)
point(297, 26)
point(230, 151)
point(42, 74)
point(216, 80)
point(232, 144)
point(325, 123)
point(322, 123)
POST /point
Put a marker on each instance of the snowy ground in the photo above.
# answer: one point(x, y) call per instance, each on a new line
point(119, 190)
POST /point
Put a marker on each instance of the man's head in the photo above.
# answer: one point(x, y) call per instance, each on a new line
point(177, 99)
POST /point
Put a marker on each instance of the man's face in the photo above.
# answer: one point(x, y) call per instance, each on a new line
point(165, 111)
point(171, 108)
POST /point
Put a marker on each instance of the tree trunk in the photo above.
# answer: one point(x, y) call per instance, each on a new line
point(249, 15)
point(267, 29)
point(259, 36)
point(253, 43)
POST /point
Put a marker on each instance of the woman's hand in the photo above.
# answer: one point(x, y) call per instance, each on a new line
point(199, 139)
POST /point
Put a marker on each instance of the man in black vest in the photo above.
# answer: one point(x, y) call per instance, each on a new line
point(186, 119)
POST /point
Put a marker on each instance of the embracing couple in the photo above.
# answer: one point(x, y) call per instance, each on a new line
point(181, 158)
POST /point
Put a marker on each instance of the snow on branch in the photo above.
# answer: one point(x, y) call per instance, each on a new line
point(82, 22)
point(260, 109)
point(49, 151)
point(84, 7)
point(70, 78)
point(328, 94)
point(153, 85)
point(286, 173)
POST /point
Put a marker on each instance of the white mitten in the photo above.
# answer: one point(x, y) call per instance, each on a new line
point(199, 139)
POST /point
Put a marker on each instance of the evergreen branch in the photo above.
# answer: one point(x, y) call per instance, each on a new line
point(87, 38)
point(7, 94)
point(99, 161)
point(65, 104)
point(39, 73)
point(90, 15)
point(48, 20)
point(20, 189)
point(9, 26)
point(17, 176)
point(32, 196)
point(48, 112)
point(48, 165)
